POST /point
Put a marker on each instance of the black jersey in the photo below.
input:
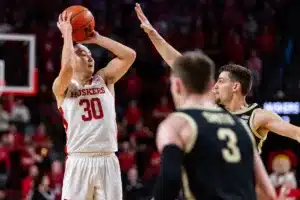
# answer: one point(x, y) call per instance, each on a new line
point(247, 114)
point(218, 163)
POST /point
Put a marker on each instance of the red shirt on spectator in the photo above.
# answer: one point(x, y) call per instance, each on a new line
point(133, 84)
point(133, 113)
point(40, 136)
point(198, 39)
point(228, 40)
point(8, 103)
point(127, 160)
point(265, 41)
point(162, 109)
point(153, 169)
point(27, 184)
point(4, 156)
point(236, 52)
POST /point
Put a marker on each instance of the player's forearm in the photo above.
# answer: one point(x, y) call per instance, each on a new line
point(169, 181)
point(120, 50)
point(262, 180)
point(167, 52)
point(68, 53)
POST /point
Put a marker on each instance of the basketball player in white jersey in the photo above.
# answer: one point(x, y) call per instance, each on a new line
point(87, 104)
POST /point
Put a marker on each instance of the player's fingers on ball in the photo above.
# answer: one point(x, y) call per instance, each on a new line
point(69, 16)
point(64, 16)
point(59, 18)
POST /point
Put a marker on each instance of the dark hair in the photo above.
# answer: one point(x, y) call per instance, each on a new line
point(195, 70)
point(240, 74)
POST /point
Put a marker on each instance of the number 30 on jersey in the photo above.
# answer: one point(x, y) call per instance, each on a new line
point(92, 109)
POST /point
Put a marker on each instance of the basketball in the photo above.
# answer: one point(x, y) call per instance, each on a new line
point(83, 22)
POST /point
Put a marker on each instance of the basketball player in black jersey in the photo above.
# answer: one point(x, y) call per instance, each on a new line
point(210, 151)
point(230, 90)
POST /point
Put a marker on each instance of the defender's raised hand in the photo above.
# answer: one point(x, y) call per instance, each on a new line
point(145, 24)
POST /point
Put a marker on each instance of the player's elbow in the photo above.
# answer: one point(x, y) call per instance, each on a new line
point(130, 55)
point(298, 134)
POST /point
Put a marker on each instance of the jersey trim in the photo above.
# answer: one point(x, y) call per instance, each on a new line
point(186, 186)
point(216, 108)
point(249, 133)
point(241, 111)
point(261, 138)
point(105, 85)
point(251, 125)
point(66, 125)
point(192, 140)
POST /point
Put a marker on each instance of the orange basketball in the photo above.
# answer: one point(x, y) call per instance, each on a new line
point(83, 22)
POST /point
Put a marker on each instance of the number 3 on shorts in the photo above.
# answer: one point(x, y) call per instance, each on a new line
point(232, 153)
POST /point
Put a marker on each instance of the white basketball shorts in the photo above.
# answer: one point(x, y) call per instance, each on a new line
point(92, 176)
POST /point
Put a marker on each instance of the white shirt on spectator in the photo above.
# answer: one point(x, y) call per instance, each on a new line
point(20, 113)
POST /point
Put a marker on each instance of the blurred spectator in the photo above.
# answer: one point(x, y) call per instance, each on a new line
point(8, 103)
point(126, 157)
point(134, 188)
point(251, 27)
point(40, 137)
point(141, 138)
point(133, 85)
point(20, 114)
point(5, 27)
point(152, 171)
point(132, 115)
point(255, 65)
point(162, 110)
point(122, 131)
point(282, 164)
point(15, 137)
point(4, 121)
point(141, 135)
point(236, 50)
point(30, 157)
point(56, 178)
point(265, 41)
point(198, 36)
point(42, 190)
point(28, 182)
point(127, 160)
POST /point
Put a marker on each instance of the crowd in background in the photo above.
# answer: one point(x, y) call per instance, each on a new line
point(246, 32)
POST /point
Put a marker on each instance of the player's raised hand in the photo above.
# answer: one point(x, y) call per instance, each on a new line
point(64, 23)
point(145, 24)
point(92, 39)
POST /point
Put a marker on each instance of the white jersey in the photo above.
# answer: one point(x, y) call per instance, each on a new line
point(89, 117)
